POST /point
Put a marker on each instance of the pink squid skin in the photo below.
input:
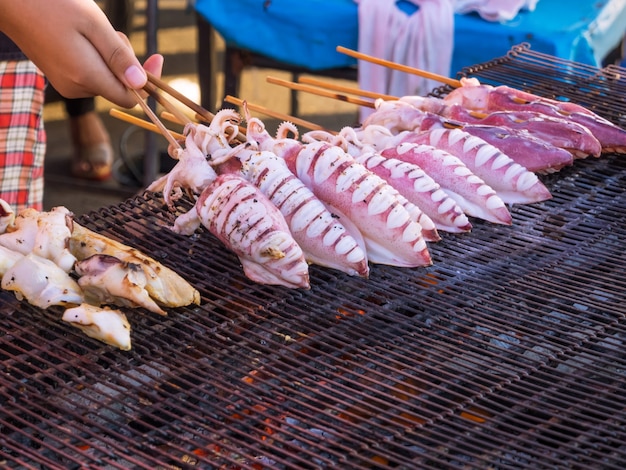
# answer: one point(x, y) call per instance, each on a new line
point(323, 238)
point(408, 178)
point(419, 188)
point(327, 239)
point(485, 98)
point(391, 237)
point(475, 198)
point(249, 225)
point(418, 113)
point(511, 181)
point(564, 134)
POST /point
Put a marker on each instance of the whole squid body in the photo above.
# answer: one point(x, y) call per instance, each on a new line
point(379, 247)
point(511, 181)
point(556, 131)
point(408, 178)
point(473, 196)
point(323, 238)
point(391, 235)
point(248, 224)
point(475, 96)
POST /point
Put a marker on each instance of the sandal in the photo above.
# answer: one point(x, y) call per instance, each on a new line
point(93, 153)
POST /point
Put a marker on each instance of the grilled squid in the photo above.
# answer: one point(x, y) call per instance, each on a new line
point(476, 96)
point(104, 324)
point(322, 236)
point(106, 279)
point(41, 282)
point(45, 234)
point(391, 235)
point(248, 224)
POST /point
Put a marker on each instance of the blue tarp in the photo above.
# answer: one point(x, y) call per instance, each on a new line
point(302, 32)
point(306, 32)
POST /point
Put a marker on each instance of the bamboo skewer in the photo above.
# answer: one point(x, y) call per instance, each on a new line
point(153, 91)
point(319, 92)
point(129, 118)
point(345, 89)
point(402, 68)
point(204, 113)
point(274, 114)
point(154, 118)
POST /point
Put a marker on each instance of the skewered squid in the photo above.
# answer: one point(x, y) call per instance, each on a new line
point(473, 95)
point(408, 178)
point(391, 236)
point(249, 225)
point(556, 131)
point(322, 236)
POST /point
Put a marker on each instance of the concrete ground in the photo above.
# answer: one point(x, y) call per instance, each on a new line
point(177, 41)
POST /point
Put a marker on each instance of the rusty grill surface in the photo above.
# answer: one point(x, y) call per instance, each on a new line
point(509, 352)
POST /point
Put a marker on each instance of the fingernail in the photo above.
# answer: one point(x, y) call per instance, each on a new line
point(135, 76)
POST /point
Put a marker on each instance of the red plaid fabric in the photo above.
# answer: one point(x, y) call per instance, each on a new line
point(22, 134)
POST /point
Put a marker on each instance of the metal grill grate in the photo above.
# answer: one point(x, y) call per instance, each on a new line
point(509, 352)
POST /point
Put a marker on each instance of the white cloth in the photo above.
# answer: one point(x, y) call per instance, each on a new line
point(424, 40)
point(494, 10)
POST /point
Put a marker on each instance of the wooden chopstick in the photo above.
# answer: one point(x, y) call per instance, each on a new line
point(129, 118)
point(153, 117)
point(320, 92)
point(274, 114)
point(403, 68)
point(204, 113)
point(345, 89)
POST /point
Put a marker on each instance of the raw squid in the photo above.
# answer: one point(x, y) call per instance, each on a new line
point(513, 183)
point(529, 152)
point(45, 234)
point(323, 238)
point(556, 131)
point(475, 198)
point(408, 178)
point(249, 225)
point(105, 279)
point(104, 324)
point(165, 286)
point(473, 95)
point(41, 282)
point(391, 236)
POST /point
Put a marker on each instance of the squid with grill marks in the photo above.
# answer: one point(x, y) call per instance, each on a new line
point(391, 235)
point(248, 224)
point(408, 178)
point(513, 182)
point(322, 236)
point(534, 152)
point(347, 188)
point(555, 131)
point(476, 96)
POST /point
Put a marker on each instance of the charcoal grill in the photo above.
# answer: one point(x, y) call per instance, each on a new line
point(508, 352)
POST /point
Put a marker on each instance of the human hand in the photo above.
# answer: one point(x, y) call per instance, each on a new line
point(75, 46)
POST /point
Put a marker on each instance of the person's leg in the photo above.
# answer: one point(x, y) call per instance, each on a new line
point(22, 134)
point(93, 154)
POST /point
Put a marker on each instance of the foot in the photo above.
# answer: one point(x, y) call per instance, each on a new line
point(93, 153)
